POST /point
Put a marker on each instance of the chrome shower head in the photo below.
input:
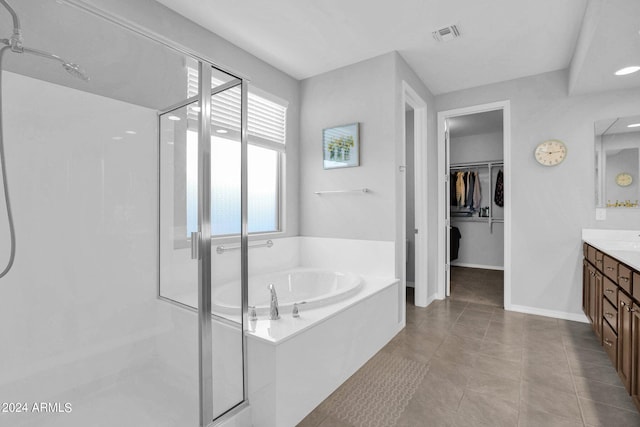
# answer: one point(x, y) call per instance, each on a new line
point(75, 70)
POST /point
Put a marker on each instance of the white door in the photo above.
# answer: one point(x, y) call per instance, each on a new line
point(447, 212)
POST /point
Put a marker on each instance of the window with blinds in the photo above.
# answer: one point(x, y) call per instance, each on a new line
point(266, 137)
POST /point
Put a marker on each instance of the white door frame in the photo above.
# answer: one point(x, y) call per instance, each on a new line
point(443, 188)
point(410, 97)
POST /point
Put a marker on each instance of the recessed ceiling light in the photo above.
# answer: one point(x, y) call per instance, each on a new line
point(634, 125)
point(174, 118)
point(130, 132)
point(222, 131)
point(116, 138)
point(627, 70)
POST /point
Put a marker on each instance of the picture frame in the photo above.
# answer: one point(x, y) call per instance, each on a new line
point(341, 146)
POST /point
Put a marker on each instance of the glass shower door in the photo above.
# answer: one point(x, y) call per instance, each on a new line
point(201, 201)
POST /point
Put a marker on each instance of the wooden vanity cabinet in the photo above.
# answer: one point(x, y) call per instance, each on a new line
point(625, 322)
point(611, 301)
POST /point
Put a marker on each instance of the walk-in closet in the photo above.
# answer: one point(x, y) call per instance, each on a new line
point(476, 207)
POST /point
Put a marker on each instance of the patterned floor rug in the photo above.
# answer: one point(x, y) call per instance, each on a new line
point(376, 395)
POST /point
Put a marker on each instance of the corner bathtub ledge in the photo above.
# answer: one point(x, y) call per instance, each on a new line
point(277, 331)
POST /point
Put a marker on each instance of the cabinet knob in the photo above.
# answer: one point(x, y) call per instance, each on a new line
point(609, 315)
point(610, 268)
point(626, 306)
point(609, 291)
point(626, 279)
point(607, 342)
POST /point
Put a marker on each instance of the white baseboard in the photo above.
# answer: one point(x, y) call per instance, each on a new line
point(485, 267)
point(576, 317)
point(432, 298)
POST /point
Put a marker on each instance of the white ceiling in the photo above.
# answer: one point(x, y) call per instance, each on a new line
point(501, 39)
point(612, 41)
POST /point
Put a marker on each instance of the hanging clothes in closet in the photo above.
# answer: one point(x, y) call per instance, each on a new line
point(461, 189)
point(498, 197)
point(465, 190)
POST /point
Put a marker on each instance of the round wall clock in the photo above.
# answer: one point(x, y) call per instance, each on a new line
point(551, 152)
point(624, 179)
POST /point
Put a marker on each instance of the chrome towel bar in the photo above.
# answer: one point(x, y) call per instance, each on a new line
point(222, 249)
point(359, 190)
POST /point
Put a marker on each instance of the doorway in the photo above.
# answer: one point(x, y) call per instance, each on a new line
point(411, 243)
point(474, 204)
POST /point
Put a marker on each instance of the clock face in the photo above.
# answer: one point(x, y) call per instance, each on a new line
point(550, 153)
point(624, 179)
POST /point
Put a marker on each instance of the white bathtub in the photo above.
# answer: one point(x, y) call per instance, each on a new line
point(314, 287)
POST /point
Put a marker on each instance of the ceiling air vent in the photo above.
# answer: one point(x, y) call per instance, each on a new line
point(446, 34)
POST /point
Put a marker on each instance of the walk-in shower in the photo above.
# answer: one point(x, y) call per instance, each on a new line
point(99, 178)
point(15, 44)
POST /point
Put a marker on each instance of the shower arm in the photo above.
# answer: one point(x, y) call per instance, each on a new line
point(43, 54)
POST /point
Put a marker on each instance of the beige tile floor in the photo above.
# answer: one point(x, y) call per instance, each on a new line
point(489, 367)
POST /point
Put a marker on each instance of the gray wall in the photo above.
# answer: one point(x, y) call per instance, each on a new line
point(550, 206)
point(370, 93)
point(360, 93)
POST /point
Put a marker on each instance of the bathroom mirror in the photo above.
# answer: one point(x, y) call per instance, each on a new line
point(617, 162)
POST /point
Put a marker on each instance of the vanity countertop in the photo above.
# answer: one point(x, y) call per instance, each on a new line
point(624, 245)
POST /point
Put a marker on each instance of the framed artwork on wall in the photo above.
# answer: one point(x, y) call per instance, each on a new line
point(341, 146)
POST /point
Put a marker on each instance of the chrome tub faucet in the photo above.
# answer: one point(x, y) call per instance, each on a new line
point(274, 313)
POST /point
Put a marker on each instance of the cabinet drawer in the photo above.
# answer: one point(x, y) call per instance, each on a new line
point(599, 260)
point(611, 268)
point(635, 288)
point(625, 277)
point(610, 343)
point(585, 250)
point(610, 291)
point(610, 314)
point(591, 254)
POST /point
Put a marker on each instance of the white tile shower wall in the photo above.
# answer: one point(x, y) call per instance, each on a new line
point(366, 257)
point(80, 298)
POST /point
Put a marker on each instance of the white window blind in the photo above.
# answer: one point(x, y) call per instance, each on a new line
point(266, 122)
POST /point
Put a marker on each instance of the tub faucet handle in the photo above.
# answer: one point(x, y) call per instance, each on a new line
point(296, 312)
point(253, 315)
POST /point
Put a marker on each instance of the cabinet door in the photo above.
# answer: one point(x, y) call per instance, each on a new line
point(596, 286)
point(586, 280)
point(624, 339)
point(635, 355)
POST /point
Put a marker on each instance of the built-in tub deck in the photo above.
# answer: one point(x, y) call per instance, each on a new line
point(277, 331)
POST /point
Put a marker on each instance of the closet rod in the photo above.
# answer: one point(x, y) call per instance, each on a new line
point(472, 164)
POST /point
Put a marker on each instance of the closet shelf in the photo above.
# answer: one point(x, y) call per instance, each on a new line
point(487, 164)
point(475, 219)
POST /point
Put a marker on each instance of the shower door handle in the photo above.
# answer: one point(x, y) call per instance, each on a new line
point(195, 245)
